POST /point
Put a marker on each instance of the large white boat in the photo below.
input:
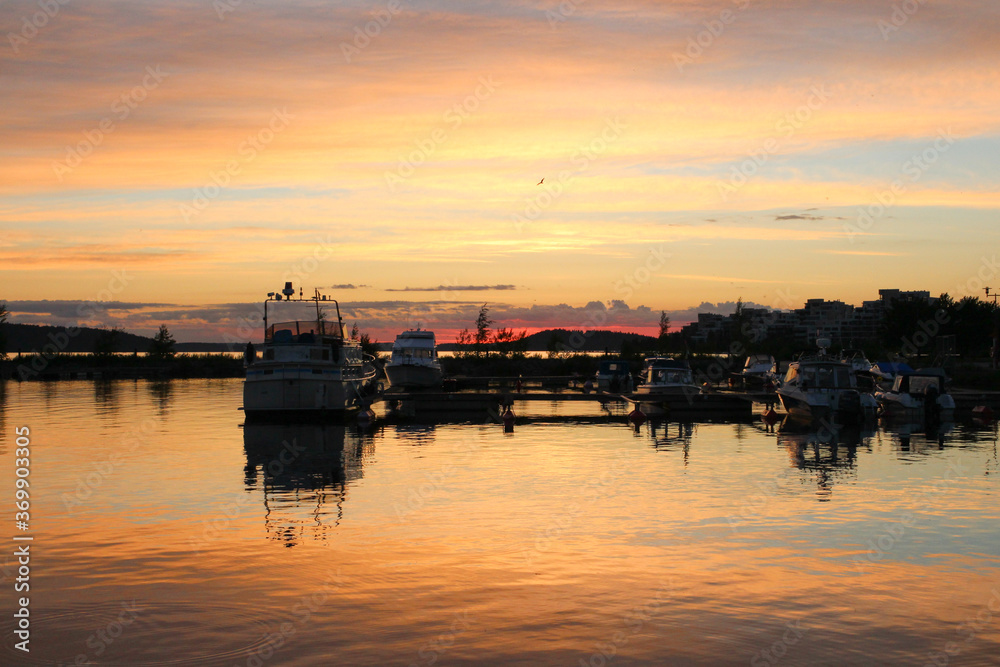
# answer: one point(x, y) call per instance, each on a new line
point(414, 362)
point(918, 395)
point(307, 366)
point(822, 387)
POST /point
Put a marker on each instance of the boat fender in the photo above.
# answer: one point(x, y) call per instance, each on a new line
point(637, 416)
point(508, 420)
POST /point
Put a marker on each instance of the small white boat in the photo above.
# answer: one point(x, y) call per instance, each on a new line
point(822, 387)
point(668, 387)
point(414, 362)
point(757, 371)
point(308, 366)
point(613, 375)
point(919, 395)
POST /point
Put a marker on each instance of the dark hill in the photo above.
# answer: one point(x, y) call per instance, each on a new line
point(28, 337)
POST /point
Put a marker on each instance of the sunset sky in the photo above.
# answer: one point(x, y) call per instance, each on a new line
point(185, 158)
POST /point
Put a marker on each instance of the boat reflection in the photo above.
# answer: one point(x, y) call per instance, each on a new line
point(917, 437)
point(826, 450)
point(671, 436)
point(304, 472)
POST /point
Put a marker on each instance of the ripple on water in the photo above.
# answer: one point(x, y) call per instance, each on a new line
point(145, 632)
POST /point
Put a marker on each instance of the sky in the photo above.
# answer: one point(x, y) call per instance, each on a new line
point(175, 161)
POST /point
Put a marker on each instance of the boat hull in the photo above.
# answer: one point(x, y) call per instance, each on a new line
point(820, 406)
point(413, 376)
point(299, 392)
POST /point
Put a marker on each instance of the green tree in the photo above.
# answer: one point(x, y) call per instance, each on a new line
point(482, 335)
point(163, 343)
point(663, 339)
point(106, 342)
point(508, 342)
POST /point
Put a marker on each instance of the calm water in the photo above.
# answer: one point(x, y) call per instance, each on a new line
point(165, 533)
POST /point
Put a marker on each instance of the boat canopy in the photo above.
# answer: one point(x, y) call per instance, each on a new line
point(892, 368)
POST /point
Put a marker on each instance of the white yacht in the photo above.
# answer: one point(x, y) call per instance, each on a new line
point(307, 366)
point(414, 362)
point(917, 395)
point(822, 387)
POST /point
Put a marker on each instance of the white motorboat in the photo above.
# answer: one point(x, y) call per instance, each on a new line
point(822, 387)
point(919, 395)
point(668, 386)
point(757, 371)
point(414, 362)
point(307, 366)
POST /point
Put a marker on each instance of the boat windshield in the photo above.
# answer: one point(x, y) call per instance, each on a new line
point(303, 332)
point(825, 377)
point(668, 376)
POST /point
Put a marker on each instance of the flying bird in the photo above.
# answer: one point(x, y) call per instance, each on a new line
point(540, 182)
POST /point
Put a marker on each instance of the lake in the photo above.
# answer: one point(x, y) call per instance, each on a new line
point(164, 532)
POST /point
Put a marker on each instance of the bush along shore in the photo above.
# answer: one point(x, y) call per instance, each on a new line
point(123, 366)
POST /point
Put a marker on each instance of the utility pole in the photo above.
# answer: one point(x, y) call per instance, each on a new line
point(994, 295)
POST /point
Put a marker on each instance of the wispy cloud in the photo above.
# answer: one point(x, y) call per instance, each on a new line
point(457, 288)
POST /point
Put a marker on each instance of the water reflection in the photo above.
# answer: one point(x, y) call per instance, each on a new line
point(3, 415)
point(303, 471)
point(918, 437)
point(667, 436)
point(105, 396)
point(161, 391)
point(827, 451)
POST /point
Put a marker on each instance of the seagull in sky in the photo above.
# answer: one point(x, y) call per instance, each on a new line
point(540, 182)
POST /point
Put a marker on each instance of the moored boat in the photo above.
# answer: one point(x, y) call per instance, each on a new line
point(822, 387)
point(308, 367)
point(919, 395)
point(668, 386)
point(414, 362)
